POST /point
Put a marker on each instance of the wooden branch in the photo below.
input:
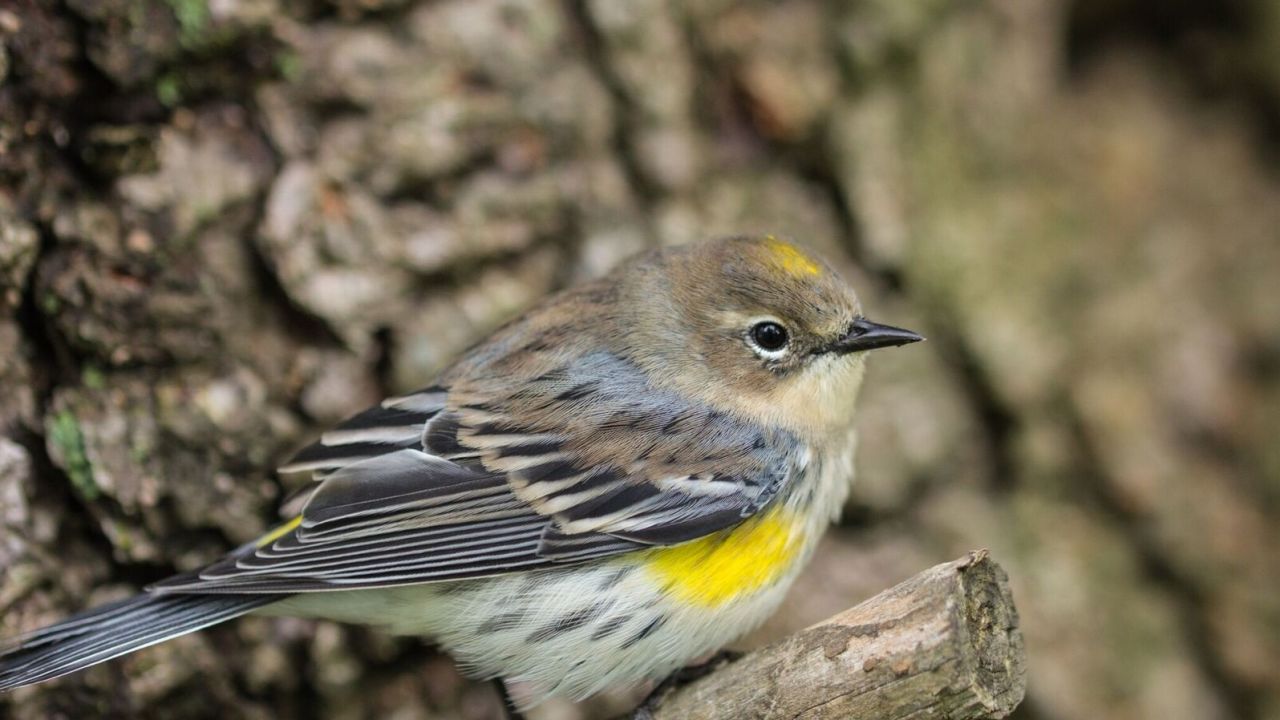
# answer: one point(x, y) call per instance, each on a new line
point(944, 644)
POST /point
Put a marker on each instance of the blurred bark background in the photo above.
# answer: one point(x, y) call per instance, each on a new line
point(226, 224)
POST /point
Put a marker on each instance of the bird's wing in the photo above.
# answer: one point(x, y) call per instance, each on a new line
point(582, 461)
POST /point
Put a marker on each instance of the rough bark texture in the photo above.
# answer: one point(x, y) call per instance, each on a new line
point(224, 225)
point(944, 644)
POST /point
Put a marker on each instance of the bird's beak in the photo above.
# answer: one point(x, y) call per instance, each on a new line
point(866, 335)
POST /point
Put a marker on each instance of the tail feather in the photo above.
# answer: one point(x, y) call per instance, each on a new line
point(113, 630)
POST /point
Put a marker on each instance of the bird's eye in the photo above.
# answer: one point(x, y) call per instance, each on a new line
point(769, 336)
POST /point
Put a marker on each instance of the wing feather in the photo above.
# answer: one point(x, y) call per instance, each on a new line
point(396, 423)
point(477, 480)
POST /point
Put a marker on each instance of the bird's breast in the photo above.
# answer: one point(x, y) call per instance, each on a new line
point(766, 550)
point(714, 570)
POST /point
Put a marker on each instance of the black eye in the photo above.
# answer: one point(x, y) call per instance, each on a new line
point(769, 335)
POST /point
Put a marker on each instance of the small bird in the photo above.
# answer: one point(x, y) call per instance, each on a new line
point(626, 478)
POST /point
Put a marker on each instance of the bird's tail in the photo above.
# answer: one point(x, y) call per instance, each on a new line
point(113, 630)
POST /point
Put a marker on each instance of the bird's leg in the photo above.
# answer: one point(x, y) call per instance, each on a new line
point(508, 703)
point(683, 676)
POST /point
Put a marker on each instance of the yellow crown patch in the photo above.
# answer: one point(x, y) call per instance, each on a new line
point(790, 259)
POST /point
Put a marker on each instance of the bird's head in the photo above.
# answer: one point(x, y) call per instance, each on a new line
point(757, 324)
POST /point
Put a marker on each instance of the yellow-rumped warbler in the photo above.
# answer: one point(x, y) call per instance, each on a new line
point(627, 477)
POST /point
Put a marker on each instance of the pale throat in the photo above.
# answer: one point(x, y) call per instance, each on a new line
point(819, 404)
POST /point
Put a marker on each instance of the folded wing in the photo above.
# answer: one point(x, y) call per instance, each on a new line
point(584, 461)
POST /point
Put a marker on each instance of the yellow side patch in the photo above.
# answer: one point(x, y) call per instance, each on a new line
point(712, 570)
point(791, 259)
point(279, 532)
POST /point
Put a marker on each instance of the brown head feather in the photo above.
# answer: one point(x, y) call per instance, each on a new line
point(684, 314)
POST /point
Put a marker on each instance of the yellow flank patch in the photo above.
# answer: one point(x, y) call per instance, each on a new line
point(279, 532)
point(712, 570)
point(791, 259)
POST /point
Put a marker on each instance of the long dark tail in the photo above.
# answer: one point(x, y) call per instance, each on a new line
point(113, 630)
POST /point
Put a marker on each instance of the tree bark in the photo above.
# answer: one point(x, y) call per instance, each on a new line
point(944, 644)
point(226, 226)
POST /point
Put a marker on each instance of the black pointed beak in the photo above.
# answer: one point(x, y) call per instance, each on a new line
point(867, 335)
